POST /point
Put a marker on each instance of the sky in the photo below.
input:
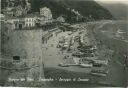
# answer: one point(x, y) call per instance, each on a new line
point(113, 1)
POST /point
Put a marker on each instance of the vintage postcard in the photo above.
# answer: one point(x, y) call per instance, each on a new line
point(64, 43)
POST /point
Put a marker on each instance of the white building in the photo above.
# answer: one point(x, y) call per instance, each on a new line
point(46, 12)
point(11, 22)
point(46, 15)
point(21, 22)
point(30, 21)
point(2, 16)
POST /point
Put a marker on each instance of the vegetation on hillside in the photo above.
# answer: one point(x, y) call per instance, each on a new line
point(63, 7)
point(87, 9)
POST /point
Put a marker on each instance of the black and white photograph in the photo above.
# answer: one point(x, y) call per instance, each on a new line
point(64, 43)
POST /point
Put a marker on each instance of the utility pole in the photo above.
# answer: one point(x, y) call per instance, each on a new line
point(126, 60)
point(70, 42)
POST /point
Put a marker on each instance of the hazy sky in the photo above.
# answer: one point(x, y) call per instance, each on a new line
point(113, 1)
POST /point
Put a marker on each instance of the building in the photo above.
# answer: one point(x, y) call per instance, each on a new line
point(15, 23)
point(21, 22)
point(46, 15)
point(11, 22)
point(2, 16)
point(24, 47)
point(46, 12)
point(30, 20)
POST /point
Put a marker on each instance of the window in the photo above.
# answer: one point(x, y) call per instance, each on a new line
point(16, 25)
point(20, 26)
point(26, 19)
point(16, 58)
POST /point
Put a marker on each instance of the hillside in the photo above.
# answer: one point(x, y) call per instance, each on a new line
point(118, 10)
point(62, 7)
point(87, 9)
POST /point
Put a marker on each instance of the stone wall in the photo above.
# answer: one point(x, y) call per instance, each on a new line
point(27, 45)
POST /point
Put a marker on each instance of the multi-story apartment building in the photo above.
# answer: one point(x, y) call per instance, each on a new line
point(21, 22)
point(30, 21)
point(46, 15)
